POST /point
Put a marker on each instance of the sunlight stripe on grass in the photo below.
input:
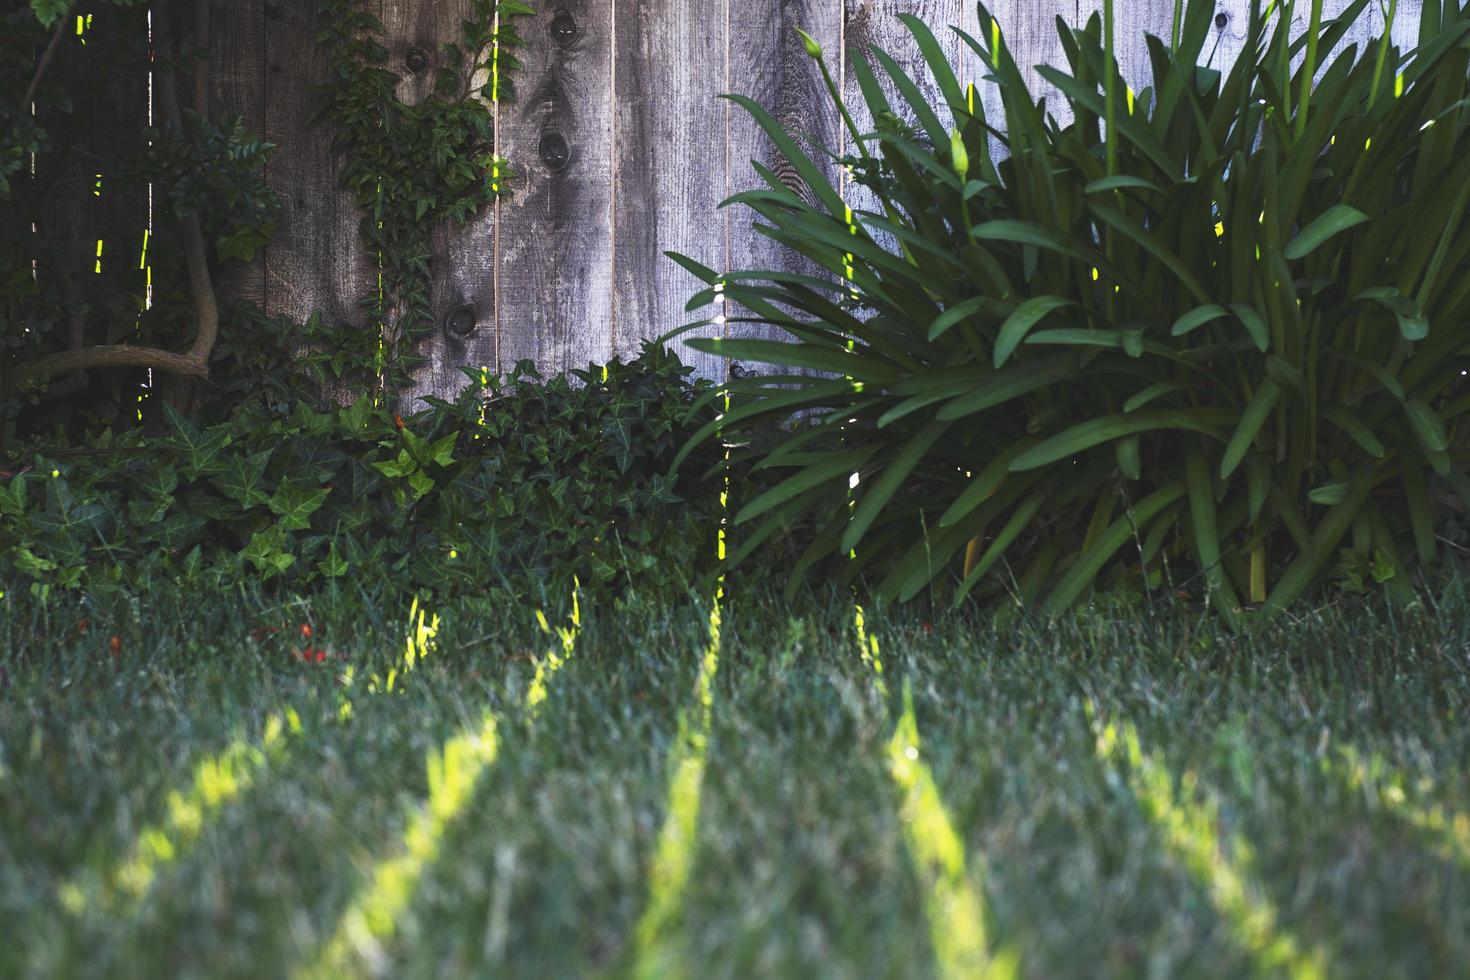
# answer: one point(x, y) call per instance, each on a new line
point(373, 915)
point(954, 907)
point(1390, 788)
point(655, 955)
point(217, 780)
point(1225, 869)
point(371, 918)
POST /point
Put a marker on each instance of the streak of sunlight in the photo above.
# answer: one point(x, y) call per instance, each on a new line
point(673, 860)
point(216, 781)
point(1222, 864)
point(954, 907)
point(373, 914)
point(1392, 790)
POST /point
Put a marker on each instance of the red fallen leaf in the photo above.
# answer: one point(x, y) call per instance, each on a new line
point(115, 644)
point(321, 655)
point(82, 625)
point(398, 420)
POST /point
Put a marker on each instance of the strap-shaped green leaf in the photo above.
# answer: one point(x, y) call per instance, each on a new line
point(1254, 324)
point(872, 501)
point(1355, 430)
point(1250, 423)
point(1084, 570)
point(832, 468)
point(1205, 526)
point(1083, 437)
point(1021, 320)
point(1197, 317)
point(1333, 221)
point(1413, 324)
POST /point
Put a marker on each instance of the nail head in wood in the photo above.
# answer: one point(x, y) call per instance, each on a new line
point(416, 60)
point(555, 152)
point(564, 28)
point(461, 322)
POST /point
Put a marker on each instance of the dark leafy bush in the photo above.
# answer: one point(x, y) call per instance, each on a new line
point(1215, 330)
point(509, 491)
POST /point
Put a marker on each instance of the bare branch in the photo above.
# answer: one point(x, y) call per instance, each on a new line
point(45, 62)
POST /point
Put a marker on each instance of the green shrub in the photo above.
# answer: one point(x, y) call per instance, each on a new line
point(510, 491)
point(1215, 329)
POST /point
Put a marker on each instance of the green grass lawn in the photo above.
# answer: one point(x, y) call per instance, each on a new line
point(653, 791)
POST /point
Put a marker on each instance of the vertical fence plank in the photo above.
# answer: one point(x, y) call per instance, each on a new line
point(669, 170)
point(555, 234)
point(316, 263)
point(769, 63)
point(237, 88)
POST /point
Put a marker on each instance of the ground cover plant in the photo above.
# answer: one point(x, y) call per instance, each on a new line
point(518, 487)
point(1210, 335)
point(660, 791)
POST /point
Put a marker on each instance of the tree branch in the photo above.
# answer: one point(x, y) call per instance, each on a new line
point(45, 62)
point(195, 362)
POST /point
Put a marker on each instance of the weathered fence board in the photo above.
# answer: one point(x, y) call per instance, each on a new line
point(237, 82)
point(317, 262)
point(669, 162)
point(555, 232)
point(769, 63)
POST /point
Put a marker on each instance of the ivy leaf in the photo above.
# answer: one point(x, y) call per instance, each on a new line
point(441, 451)
point(244, 242)
point(48, 11)
point(201, 449)
point(13, 496)
point(267, 553)
point(402, 465)
point(421, 483)
point(333, 565)
point(243, 479)
point(295, 505)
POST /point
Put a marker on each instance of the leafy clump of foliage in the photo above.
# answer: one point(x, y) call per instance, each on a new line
point(510, 491)
point(1211, 333)
point(412, 167)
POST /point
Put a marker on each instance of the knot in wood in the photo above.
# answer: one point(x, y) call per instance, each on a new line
point(555, 152)
point(416, 60)
point(563, 28)
point(461, 322)
point(1221, 19)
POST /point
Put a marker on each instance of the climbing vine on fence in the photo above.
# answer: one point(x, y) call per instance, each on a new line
point(412, 167)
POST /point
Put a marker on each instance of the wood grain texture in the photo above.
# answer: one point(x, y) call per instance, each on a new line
point(237, 73)
point(769, 63)
point(669, 163)
point(316, 263)
point(1405, 27)
point(554, 231)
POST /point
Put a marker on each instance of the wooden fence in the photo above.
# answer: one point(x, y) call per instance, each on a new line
point(622, 147)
